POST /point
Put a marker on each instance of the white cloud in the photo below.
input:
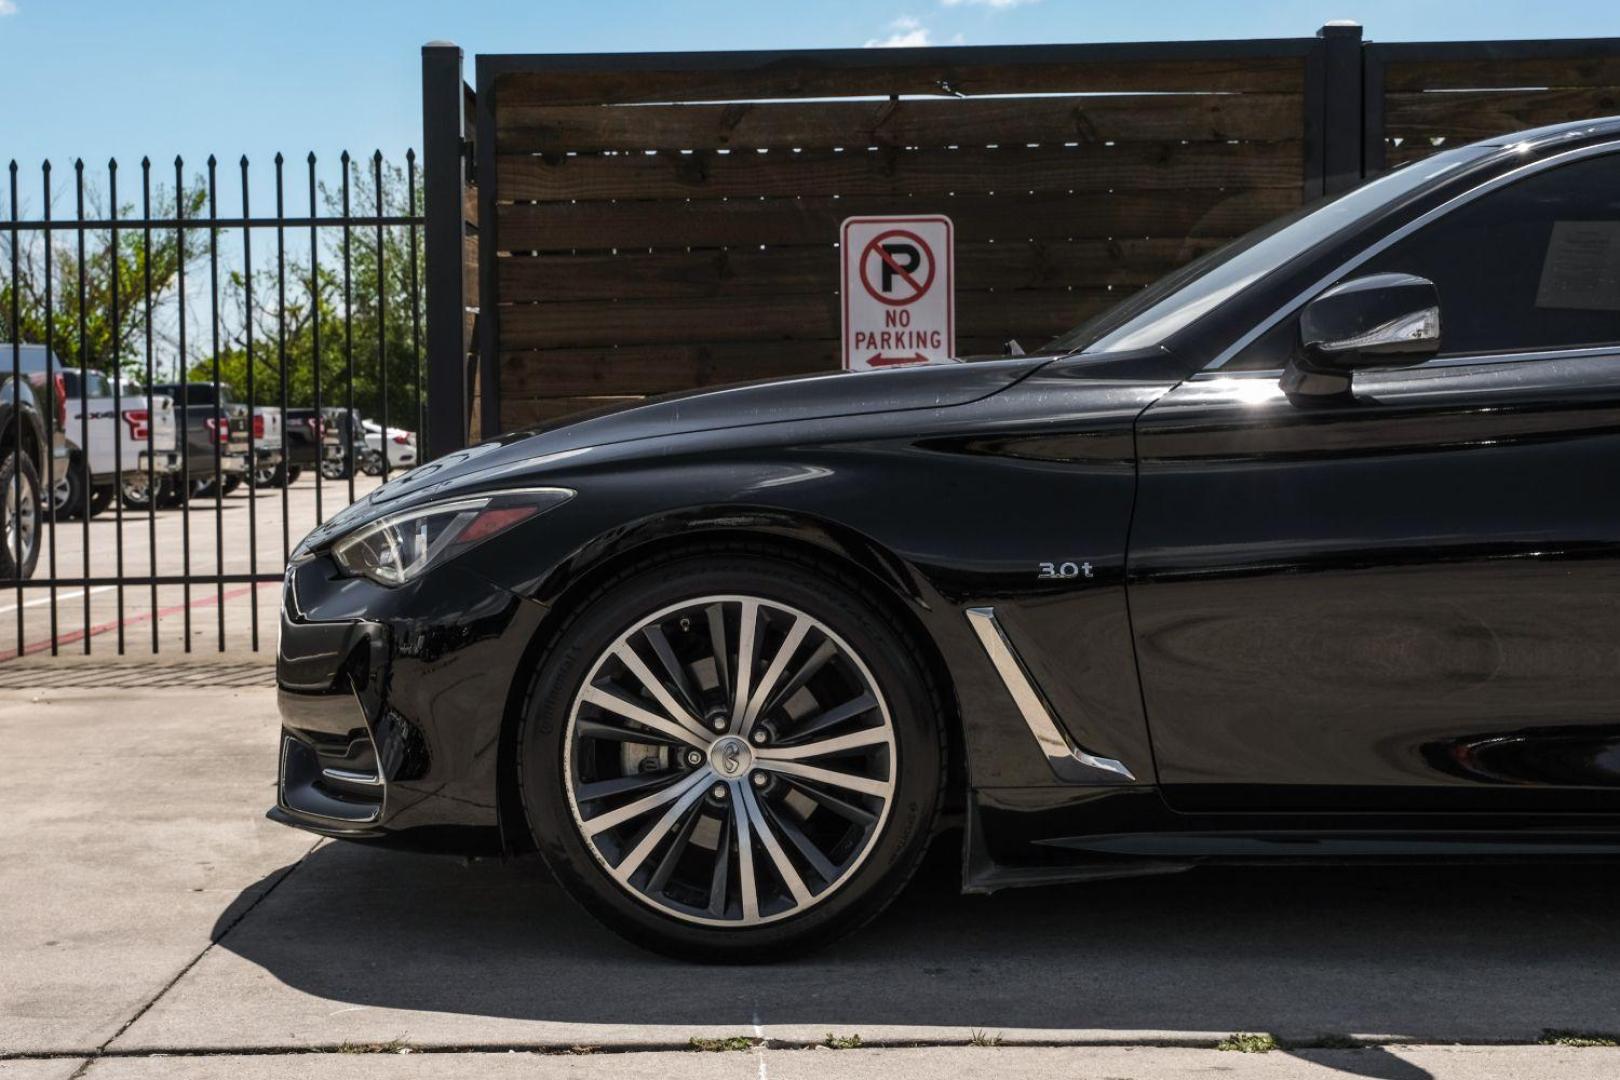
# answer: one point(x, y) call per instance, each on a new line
point(8, 7)
point(906, 32)
point(998, 5)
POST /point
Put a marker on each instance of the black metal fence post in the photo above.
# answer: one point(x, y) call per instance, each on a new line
point(1341, 107)
point(1333, 111)
point(444, 184)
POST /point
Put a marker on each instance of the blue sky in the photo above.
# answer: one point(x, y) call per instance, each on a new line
point(103, 77)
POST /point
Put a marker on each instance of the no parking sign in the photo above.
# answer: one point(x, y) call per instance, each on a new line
point(899, 291)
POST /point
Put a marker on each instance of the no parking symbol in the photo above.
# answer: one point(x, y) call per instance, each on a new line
point(898, 290)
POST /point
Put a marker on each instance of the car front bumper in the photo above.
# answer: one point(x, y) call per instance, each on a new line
point(393, 704)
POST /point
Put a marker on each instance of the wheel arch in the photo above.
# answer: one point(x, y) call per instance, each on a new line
point(821, 544)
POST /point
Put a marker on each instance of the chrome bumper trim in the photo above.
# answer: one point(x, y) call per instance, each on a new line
point(1054, 744)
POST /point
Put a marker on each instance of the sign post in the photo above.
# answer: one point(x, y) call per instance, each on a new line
point(899, 291)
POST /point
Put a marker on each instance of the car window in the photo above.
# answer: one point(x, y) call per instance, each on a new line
point(1157, 312)
point(1534, 265)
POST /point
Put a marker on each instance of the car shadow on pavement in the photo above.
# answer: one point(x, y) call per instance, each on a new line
point(1311, 955)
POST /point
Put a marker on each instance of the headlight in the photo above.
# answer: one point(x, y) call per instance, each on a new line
point(400, 547)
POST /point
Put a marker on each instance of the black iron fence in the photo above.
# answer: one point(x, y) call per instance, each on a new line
point(175, 368)
point(174, 361)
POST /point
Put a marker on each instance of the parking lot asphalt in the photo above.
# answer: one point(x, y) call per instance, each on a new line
point(152, 922)
point(238, 534)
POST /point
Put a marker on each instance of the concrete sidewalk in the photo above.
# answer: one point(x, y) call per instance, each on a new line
point(147, 908)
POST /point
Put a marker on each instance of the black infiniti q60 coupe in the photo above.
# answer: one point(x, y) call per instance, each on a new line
point(1309, 552)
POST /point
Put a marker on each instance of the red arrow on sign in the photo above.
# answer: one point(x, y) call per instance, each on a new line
point(879, 360)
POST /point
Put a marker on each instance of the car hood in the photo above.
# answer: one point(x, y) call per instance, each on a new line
point(514, 456)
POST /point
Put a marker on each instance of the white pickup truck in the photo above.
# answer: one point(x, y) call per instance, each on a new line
point(105, 436)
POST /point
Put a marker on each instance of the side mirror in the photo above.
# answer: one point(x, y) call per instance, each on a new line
point(1381, 320)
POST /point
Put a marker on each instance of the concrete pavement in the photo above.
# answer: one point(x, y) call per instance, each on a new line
point(147, 908)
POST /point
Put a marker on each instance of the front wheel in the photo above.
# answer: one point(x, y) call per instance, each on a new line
point(23, 510)
point(731, 758)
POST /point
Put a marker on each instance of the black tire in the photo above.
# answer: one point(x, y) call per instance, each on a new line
point(892, 853)
point(174, 493)
point(371, 463)
point(293, 473)
point(67, 492)
point(100, 498)
point(273, 477)
point(140, 497)
point(33, 503)
point(232, 482)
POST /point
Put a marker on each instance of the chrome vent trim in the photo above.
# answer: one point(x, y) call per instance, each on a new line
point(1059, 751)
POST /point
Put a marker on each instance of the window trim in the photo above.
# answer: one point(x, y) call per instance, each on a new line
point(1381, 245)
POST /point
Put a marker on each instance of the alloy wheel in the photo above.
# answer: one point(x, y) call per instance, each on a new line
point(730, 761)
point(22, 517)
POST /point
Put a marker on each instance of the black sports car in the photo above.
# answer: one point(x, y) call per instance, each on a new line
point(1310, 551)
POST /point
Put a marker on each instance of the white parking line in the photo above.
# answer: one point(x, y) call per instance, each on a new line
point(69, 595)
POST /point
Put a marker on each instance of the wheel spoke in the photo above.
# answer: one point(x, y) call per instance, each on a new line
point(717, 642)
point(720, 876)
point(747, 649)
point(842, 807)
point(790, 645)
point(672, 855)
point(806, 847)
point(659, 830)
point(623, 785)
point(595, 729)
point(879, 788)
point(849, 710)
point(816, 661)
point(655, 686)
point(784, 866)
point(677, 671)
point(629, 710)
point(745, 862)
point(839, 744)
point(646, 804)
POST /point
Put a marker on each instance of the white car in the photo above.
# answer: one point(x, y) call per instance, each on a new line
point(400, 444)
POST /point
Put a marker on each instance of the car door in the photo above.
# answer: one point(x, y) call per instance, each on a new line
point(1406, 599)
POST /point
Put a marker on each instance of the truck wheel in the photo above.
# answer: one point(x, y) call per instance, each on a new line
point(139, 496)
point(100, 498)
point(334, 469)
point(174, 492)
point(67, 493)
point(293, 473)
point(23, 510)
point(232, 482)
point(267, 476)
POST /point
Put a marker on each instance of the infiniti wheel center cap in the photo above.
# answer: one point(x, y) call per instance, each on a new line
point(730, 756)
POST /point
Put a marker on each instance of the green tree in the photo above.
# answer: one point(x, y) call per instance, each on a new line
point(55, 285)
point(379, 304)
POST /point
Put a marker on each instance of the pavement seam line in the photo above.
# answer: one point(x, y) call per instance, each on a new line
point(102, 1050)
point(570, 1049)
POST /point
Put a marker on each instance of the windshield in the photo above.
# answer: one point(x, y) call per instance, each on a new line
point(1158, 311)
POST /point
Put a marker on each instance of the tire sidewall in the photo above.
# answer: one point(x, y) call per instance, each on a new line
point(912, 710)
point(9, 465)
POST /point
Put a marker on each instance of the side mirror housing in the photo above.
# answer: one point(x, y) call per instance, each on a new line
point(1382, 320)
